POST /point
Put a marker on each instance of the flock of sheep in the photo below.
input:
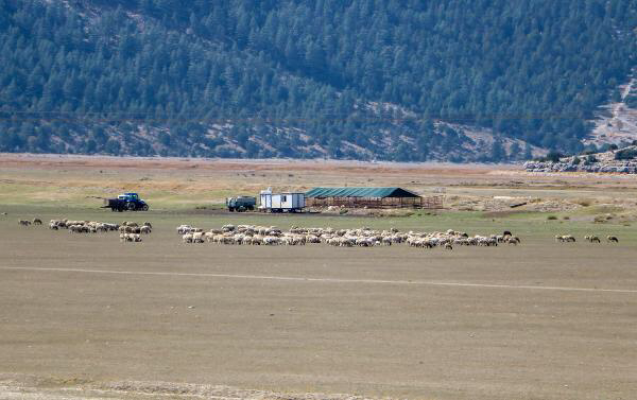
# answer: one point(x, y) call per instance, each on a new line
point(362, 237)
point(25, 222)
point(131, 232)
point(128, 231)
point(588, 238)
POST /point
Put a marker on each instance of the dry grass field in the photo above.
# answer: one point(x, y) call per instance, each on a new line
point(88, 317)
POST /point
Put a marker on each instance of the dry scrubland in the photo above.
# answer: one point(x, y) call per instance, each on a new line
point(85, 316)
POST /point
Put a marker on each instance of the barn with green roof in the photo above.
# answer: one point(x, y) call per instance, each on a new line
point(373, 197)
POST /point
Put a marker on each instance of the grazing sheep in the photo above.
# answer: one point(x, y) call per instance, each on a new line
point(271, 241)
point(129, 229)
point(360, 237)
point(37, 221)
point(612, 239)
point(592, 239)
point(130, 237)
point(512, 240)
point(183, 229)
point(78, 229)
point(145, 229)
point(488, 242)
point(110, 227)
point(148, 224)
point(228, 228)
point(565, 238)
point(86, 226)
point(24, 222)
point(198, 237)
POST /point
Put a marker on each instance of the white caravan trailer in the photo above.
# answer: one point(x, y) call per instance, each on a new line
point(280, 202)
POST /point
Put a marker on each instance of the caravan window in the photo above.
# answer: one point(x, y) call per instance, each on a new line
point(284, 198)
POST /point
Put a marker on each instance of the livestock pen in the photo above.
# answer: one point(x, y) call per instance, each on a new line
point(381, 197)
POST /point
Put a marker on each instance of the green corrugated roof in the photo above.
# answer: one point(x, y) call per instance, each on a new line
point(359, 192)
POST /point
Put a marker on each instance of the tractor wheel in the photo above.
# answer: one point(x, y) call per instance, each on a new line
point(130, 206)
point(144, 207)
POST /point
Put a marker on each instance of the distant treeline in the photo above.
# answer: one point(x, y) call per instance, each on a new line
point(282, 77)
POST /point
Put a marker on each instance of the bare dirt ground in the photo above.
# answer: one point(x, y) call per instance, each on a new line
point(93, 318)
point(87, 317)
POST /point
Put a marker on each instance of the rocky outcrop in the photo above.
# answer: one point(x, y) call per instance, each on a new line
point(605, 162)
point(624, 167)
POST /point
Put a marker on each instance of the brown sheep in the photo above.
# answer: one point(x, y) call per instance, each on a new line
point(512, 240)
point(612, 239)
point(565, 238)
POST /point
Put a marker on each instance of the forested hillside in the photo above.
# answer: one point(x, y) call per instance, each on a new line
point(416, 80)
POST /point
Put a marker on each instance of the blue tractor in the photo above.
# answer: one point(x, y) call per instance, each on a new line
point(126, 202)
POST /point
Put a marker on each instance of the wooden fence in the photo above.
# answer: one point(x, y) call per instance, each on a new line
point(428, 202)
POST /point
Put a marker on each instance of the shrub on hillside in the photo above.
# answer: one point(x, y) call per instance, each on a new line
point(552, 156)
point(626, 154)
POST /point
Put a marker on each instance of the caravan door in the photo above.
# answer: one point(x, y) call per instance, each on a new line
point(276, 201)
point(266, 200)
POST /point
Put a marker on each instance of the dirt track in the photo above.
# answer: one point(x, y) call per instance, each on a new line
point(541, 320)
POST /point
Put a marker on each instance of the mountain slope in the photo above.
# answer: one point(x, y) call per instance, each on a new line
point(414, 80)
point(617, 122)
